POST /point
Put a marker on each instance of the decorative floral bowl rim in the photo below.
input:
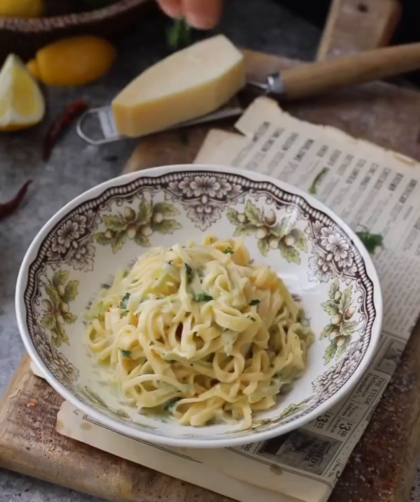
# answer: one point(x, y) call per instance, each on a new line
point(253, 436)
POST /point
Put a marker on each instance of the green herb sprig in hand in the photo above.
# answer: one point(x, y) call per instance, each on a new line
point(179, 35)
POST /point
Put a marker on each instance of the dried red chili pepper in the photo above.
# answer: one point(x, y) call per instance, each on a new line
point(9, 207)
point(72, 111)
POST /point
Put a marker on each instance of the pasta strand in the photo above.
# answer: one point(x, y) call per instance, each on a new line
point(200, 332)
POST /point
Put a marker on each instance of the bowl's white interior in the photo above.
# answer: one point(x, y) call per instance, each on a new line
point(320, 386)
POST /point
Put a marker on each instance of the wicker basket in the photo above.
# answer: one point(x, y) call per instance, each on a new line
point(24, 36)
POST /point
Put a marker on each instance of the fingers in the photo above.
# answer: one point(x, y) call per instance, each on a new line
point(202, 14)
point(172, 8)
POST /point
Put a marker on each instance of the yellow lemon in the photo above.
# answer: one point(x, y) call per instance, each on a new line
point(21, 101)
point(22, 8)
point(73, 61)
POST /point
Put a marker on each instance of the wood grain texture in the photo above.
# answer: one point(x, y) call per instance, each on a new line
point(323, 77)
point(358, 25)
point(383, 462)
point(30, 445)
point(159, 149)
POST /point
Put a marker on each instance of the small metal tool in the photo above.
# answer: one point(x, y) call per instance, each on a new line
point(97, 125)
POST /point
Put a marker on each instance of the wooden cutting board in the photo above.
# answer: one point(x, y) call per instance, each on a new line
point(384, 462)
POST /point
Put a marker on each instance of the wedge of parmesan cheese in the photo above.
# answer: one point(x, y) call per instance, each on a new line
point(186, 85)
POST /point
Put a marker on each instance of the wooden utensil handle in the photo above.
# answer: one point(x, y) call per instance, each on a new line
point(327, 76)
point(355, 26)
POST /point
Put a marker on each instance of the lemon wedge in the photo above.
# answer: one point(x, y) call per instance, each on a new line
point(21, 102)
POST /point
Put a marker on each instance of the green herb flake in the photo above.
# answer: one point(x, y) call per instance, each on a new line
point(126, 353)
point(228, 250)
point(170, 404)
point(371, 241)
point(317, 180)
point(251, 318)
point(124, 301)
point(189, 272)
point(124, 313)
point(202, 297)
point(255, 301)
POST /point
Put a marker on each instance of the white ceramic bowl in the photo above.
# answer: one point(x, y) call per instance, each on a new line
point(79, 249)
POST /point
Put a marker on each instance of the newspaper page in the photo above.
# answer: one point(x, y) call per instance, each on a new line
point(175, 462)
point(371, 189)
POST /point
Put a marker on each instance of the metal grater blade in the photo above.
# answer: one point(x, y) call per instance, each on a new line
point(97, 125)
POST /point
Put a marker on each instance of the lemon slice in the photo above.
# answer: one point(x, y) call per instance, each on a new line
point(21, 102)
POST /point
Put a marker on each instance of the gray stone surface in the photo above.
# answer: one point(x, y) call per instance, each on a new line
point(75, 167)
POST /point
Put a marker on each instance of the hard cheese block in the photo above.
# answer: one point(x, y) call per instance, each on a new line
point(188, 84)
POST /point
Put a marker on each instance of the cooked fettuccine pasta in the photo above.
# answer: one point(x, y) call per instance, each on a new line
point(201, 332)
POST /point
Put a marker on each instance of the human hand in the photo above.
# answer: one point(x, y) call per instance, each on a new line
point(200, 14)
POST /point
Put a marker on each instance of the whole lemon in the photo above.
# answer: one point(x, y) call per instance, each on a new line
point(73, 61)
point(22, 8)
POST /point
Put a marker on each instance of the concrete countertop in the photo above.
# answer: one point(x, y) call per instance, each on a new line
point(75, 167)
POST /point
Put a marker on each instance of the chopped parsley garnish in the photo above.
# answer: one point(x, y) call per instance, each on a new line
point(228, 250)
point(189, 272)
point(255, 301)
point(126, 353)
point(371, 241)
point(170, 404)
point(202, 297)
point(124, 313)
point(252, 318)
point(317, 180)
point(124, 301)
